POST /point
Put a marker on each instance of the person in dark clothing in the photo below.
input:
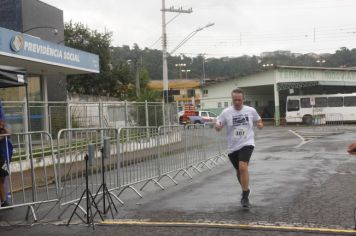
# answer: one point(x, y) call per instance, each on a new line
point(6, 150)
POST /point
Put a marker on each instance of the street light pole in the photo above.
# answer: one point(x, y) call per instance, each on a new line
point(55, 30)
point(180, 68)
point(186, 73)
point(320, 61)
point(164, 45)
point(189, 36)
point(203, 56)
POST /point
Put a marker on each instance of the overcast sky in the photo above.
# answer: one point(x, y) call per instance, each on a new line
point(241, 26)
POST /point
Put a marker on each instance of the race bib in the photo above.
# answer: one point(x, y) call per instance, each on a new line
point(240, 132)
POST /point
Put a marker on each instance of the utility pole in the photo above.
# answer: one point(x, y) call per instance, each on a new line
point(137, 79)
point(203, 82)
point(164, 45)
point(314, 35)
point(137, 66)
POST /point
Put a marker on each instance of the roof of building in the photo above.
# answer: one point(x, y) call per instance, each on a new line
point(317, 68)
point(175, 84)
point(222, 79)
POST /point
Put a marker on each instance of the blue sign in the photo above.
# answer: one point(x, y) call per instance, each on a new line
point(27, 47)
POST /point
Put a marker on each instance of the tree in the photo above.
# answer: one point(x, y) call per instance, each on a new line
point(111, 81)
point(228, 67)
point(341, 58)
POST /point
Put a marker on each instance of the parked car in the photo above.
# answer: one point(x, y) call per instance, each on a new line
point(208, 116)
point(190, 117)
point(196, 117)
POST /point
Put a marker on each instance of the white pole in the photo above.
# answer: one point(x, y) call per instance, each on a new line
point(276, 101)
point(45, 120)
point(164, 53)
point(69, 120)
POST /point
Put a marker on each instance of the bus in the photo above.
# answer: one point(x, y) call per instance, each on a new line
point(302, 109)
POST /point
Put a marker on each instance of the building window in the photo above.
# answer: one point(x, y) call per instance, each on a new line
point(226, 104)
point(174, 92)
point(191, 93)
point(19, 93)
point(219, 104)
point(205, 93)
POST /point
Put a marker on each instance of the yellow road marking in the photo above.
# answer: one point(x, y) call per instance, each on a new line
point(226, 225)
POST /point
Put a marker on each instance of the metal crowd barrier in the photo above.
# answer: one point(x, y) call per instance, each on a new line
point(328, 122)
point(335, 119)
point(72, 147)
point(215, 144)
point(32, 179)
point(195, 143)
point(172, 152)
point(137, 155)
point(185, 148)
point(207, 146)
point(138, 149)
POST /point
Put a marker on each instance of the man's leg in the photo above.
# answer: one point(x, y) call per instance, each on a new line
point(244, 176)
point(245, 155)
point(238, 175)
point(2, 189)
point(234, 158)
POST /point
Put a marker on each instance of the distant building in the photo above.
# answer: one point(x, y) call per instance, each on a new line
point(267, 90)
point(180, 91)
point(311, 54)
point(275, 53)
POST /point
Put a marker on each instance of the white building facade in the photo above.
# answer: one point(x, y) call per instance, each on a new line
point(267, 91)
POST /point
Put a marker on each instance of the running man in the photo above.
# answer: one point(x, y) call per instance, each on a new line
point(239, 120)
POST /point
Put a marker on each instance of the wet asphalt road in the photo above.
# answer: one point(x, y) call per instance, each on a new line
point(311, 186)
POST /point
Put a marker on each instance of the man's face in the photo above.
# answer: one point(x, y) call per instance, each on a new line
point(238, 100)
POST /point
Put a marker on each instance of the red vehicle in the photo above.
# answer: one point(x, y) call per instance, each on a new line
point(190, 116)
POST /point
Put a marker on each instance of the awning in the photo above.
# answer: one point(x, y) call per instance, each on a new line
point(12, 76)
point(337, 83)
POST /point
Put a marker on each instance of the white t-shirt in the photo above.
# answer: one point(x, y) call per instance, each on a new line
point(239, 125)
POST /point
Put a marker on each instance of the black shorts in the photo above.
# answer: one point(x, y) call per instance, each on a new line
point(244, 154)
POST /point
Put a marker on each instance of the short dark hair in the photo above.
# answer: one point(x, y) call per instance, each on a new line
point(238, 90)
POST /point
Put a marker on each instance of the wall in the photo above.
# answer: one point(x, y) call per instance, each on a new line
point(11, 14)
point(22, 15)
point(258, 89)
point(39, 14)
